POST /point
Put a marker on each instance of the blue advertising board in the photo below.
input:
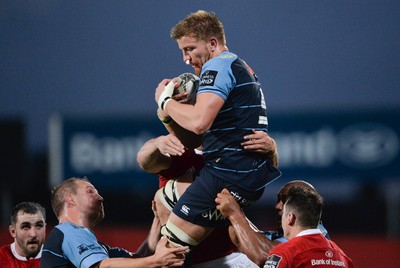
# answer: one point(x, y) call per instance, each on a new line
point(356, 145)
point(103, 149)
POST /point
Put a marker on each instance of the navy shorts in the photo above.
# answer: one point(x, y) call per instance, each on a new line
point(197, 204)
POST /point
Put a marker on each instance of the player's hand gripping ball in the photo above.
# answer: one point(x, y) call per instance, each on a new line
point(189, 83)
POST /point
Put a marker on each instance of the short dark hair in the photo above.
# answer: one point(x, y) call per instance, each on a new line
point(200, 25)
point(306, 204)
point(29, 208)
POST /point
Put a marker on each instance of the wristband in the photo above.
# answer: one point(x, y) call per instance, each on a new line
point(166, 95)
point(164, 103)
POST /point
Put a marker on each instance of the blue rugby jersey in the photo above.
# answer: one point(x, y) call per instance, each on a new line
point(69, 245)
point(244, 109)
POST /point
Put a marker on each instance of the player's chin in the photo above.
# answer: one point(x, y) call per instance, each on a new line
point(197, 70)
point(32, 247)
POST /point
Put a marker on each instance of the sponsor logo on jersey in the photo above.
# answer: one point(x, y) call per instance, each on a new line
point(213, 215)
point(273, 261)
point(329, 254)
point(208, 78)
point(242, 200)
point(329, 262)
point(82, 248)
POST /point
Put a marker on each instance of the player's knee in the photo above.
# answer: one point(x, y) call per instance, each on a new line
point(177, 237)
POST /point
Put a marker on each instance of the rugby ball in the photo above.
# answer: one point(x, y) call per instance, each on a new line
point(189, 83)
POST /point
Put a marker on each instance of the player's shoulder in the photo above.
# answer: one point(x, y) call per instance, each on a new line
point(227, 56)
point(280, 254)
point(67, 226)
point(4, 247)
point(5, 250)
point(335, 246)
point(55, 238)
point(222, 61)
point(72, 230)
point(289, 247)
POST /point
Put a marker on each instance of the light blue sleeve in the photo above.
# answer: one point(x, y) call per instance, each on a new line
point(80, 246)
point(281, 239)
point(217, 77)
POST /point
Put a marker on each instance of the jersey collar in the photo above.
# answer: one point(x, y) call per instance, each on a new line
point(309, 232)
point(19, 257)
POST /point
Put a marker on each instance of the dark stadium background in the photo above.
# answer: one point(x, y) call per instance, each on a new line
point(317, 60)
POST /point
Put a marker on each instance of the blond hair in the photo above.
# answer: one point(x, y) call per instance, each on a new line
point(201, 25)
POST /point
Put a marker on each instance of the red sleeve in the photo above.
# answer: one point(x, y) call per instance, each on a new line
point(180, 165)
point(278, 257)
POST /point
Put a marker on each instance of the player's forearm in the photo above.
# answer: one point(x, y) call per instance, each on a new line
point(255, 245)
point(197, 118)
point(149, 245)
point(185, 115)
point(131, 263)
point(188, 138)
point(151, 159)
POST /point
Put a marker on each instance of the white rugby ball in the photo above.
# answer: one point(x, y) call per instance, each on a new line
point(189, 83)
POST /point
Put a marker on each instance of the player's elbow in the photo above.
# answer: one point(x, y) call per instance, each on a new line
point(199, 130)
point(145, 165)
point(200, 126)
point(141, 161)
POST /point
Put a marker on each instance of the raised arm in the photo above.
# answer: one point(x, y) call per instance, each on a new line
point(163, 257)
point(242, 232)
point(148, 247)
point(154, 156)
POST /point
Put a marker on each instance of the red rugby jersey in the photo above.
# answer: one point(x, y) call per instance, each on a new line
point(310, 249)
point(8, 259)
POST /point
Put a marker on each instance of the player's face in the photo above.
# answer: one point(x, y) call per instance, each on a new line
point(281, 199)
point(195, 52)
point(90, 201)
point(29, 234)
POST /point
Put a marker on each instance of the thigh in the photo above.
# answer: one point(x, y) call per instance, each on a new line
point(194, 231)
point(197, 204)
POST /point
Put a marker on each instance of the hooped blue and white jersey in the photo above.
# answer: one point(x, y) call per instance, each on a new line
point(244, 109)
point(69, 245)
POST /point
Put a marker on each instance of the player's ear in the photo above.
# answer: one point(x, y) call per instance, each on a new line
point(213, 43)
point(291, 218)
point(12, 231)
point(69, 200)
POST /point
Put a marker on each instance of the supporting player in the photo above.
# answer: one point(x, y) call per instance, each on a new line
point(176, 166)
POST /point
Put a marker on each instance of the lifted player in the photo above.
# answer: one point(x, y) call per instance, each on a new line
point(229, 105)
